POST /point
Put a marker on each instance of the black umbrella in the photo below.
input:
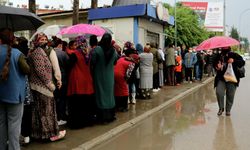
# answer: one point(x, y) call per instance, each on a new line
point(18, 19)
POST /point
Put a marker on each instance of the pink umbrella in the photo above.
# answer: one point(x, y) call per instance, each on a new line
point(82, 29)
point(217, 42)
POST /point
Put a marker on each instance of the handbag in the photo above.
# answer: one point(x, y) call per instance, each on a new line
point(241, 71)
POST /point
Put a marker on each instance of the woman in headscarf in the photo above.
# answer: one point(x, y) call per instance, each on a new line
point(44, 121)
point(13, 68)
point(123, 73)
point(103, 60)
point(146, 72)
point(128, 50)
point(81, 103)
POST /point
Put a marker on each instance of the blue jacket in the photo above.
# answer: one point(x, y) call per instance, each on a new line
point(190, 59)
point(13, 89)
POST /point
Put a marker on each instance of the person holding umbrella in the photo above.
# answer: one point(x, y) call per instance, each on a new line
point(13, 68)
point(222, 86)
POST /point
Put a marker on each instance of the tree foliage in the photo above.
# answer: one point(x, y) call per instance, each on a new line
point(243, 40)
point(234, 33)
point(189, 32)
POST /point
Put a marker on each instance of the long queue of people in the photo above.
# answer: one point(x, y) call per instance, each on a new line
point(81, 83)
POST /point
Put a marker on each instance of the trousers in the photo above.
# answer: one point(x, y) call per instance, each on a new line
point(10, 125)
point(225, 88)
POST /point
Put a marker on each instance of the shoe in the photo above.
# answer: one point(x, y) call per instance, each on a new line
point(133, 101)
point(155, 90)
point(26, 140)
point(60, 136)
point(220, 111)
point(124, 110)
point(228, 113)
point(61, 122)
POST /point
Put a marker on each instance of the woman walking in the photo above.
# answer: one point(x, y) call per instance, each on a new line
point(223, 87)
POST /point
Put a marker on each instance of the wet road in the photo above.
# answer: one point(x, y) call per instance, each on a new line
point(90, 136)
point(191, 123)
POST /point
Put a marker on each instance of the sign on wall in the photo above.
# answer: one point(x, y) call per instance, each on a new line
point(211, 14)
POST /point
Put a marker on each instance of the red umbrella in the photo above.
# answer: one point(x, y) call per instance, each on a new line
point(217, 42)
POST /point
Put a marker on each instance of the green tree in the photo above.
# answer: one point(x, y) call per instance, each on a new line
point(244, 44)
point(189, 32)
point(234, 33)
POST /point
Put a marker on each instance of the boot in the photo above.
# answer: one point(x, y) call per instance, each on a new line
point(129, 100)
point(133, 98)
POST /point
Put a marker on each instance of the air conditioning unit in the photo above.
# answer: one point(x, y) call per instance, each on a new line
point(46, 6)
point(10, 3)
point(24, 6)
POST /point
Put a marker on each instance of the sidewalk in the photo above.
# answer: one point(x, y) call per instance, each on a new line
point(86, 138)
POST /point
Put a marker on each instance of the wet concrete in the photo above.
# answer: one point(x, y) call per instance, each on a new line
point(191, 123)
point(74, 138)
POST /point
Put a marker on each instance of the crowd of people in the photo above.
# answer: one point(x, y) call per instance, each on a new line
point(83, 82)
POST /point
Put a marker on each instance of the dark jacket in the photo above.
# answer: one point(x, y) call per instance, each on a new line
point(223, 57)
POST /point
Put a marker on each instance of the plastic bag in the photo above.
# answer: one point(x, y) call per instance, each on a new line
point(229, 75)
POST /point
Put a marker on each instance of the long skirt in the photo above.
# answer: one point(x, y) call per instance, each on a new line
point(81, 111)
point(44, 119)
point(121, 103)
point(105, 115)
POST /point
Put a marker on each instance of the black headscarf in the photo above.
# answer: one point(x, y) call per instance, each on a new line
point(106, 45)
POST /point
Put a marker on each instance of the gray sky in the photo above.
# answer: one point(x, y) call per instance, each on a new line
point(234, 9)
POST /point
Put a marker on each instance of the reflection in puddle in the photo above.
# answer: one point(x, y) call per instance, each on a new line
point(172, 128)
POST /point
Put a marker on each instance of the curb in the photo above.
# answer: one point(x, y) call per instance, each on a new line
point(104, 137)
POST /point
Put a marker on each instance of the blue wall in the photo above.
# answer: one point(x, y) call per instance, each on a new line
point(136, 30)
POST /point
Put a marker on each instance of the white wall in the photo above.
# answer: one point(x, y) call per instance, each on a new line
point(122, 28)
point(146, 25)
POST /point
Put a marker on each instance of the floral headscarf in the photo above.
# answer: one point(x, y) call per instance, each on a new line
point(128, 45)
point(81, 42)
point(38, 36)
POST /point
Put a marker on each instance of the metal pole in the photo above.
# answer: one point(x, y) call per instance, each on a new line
point(175, 25)
point(240, 20)
point(224, 18)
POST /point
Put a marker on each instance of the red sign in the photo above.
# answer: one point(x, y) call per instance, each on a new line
point(196, 5)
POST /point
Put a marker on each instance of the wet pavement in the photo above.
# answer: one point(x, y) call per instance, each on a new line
point(189, 121)
point(88, 135)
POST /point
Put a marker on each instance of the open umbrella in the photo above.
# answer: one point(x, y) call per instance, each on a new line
point(82, 29)
point(18, 19)
point(217, 42)
point(50, 31)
